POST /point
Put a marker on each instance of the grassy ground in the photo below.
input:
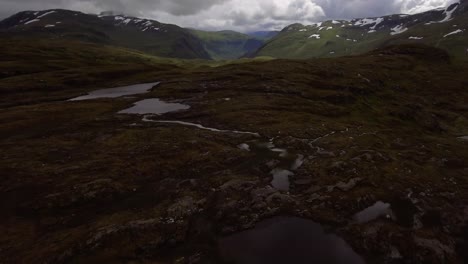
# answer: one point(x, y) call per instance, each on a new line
point(80, 183)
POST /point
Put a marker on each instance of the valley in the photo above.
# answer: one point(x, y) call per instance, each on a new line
point(122, 146)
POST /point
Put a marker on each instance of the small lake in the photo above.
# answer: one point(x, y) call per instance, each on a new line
point(287, 240)
point(118, 91)
point(154, 106)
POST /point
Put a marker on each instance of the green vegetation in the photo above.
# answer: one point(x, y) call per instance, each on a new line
point(148, 36)
point(343, 38)
point(83, 184)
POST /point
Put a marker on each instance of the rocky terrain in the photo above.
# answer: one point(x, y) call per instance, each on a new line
point(371, 147)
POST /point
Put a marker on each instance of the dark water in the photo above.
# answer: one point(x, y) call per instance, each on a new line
point(117, 92)
point(154, 106)
point(287, 240)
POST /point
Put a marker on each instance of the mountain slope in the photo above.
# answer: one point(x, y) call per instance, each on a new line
point(445, 28)
point(141, 34)
point(227, 44)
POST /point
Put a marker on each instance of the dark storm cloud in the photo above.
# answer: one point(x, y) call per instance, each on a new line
point(243, 15)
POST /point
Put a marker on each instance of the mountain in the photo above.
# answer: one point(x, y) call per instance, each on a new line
point(228, 44)
point(444, 28)
point(145, 35)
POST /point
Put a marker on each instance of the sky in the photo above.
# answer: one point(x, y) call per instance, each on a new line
point(239, 15)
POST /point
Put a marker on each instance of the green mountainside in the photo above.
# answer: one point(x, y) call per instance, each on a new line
point(444, 28)
point(144, 35)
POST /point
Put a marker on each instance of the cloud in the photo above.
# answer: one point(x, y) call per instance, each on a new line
point(417, 6)
point(241, 15)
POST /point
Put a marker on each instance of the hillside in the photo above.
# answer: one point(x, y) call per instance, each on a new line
point(446, 28)
point(228, 44)
point(145, 35)
point(82, 183)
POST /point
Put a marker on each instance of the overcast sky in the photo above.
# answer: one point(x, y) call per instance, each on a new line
point(240, 15)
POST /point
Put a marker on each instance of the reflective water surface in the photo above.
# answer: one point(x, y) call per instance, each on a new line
point(118, 91)
point(287, 240)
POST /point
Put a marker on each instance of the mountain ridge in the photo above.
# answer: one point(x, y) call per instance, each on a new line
point(443, 27)
point(145, 35)
point(150, 36)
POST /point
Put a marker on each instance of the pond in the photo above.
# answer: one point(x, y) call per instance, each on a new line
point(287, 240)
point(154, 106)
point(118, 91)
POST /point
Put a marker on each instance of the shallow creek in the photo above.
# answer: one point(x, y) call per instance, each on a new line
point(283, 162)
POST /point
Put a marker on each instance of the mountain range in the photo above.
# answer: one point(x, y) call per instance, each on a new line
point(149, 36)
point(444, 28)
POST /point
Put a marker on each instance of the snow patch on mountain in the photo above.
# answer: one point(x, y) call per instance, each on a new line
point(458, 31)
point(317, 36)
point(45, 14)
point(377, 22)
point(32, 21)
point(448, 12)
point(398, 30)
point(318, 24)
point(142, 24)
point(415, 38)
point(368, 21)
